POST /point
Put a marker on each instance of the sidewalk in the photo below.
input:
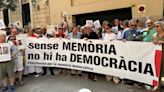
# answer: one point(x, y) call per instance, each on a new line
point(68, 83)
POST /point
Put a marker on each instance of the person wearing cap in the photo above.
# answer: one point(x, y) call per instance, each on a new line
point(7, 67)
point(90, 35)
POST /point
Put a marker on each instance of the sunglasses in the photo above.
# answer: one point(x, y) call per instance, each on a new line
point(134, 25)
point(156, 26)
point(106, 28)
point(12, 39)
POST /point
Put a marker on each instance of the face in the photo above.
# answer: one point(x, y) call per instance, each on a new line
point(104, 23)
point(43, 31)
point(133, 25)
point(60, 29)
point(12, 39)
point(150, 24)
point(158, 28)
point(140, 24)
point(14, 32)
point(116, 22)
point(88, 30)
point(124, 25)
point(30, 33)
point(64, 29)
point(108, 29)
point(2, 38)
point(75, 30)
point(121, 22)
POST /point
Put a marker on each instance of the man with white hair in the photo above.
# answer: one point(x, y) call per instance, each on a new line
point(149, 31)
point(89, 34)
point(7, 67)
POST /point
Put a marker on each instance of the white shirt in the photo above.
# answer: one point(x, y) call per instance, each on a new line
point(109, 37)
point(115, 29)
point(119, 35)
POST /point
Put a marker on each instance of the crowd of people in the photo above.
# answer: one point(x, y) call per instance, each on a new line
point(127, 30)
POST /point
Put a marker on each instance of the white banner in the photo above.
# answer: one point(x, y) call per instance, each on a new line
point(4, 52)
point(137, 61)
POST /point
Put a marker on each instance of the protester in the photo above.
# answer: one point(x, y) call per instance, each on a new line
point(115, 26)
point(33, 69)
point(44, 35)
point(110, 36)
point(19, 60)
point(133, 34)
point(61, 34)
point(7, 67)
point(90, 35)
point(125, 28)
point(140, 24)
point(159, 36)
point(133, 30)
point(159, 39)
point(75, 34)
point(149, 31)
point(148, 34)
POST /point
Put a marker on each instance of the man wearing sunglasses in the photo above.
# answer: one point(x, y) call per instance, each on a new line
point(133, 34)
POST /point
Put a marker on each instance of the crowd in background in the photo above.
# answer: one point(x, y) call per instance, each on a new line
point(126, 30)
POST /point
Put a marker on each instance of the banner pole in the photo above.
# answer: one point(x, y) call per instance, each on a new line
point(161, 71)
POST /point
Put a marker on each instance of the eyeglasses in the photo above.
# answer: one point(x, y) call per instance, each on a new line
point(134, 25)
point(106, 28)
point(156, 26)
point(12, 39)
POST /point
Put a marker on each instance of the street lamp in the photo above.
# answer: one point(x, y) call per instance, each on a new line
point(64, 15)
point(34, 3)
point(46, 2)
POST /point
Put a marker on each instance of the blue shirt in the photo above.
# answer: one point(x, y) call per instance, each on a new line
point(132, 35)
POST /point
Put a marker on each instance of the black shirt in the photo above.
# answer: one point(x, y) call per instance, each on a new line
point(92, 35)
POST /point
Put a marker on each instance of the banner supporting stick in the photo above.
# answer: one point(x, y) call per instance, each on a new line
point(161, 71)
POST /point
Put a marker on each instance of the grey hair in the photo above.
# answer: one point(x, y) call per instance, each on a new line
point(105, 22)
point(161, 23)
point(132, 21)
point(126, 22)
point(2, 33)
